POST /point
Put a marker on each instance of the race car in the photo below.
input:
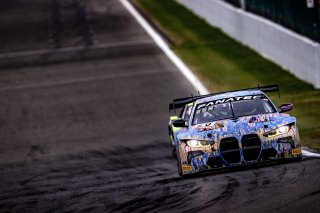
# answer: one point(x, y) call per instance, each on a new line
point(232, 129)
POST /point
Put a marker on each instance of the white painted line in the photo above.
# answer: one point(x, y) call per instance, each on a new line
point(165, 48)
point(310, 154)
point(74, 49)
point(175, 59)
point(107, 76)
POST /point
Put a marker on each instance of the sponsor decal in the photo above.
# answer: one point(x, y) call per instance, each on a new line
point(187, 168)
point(227, 100)
point(296, 151)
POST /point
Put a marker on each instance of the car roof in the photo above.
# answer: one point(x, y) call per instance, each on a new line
point(229, 95)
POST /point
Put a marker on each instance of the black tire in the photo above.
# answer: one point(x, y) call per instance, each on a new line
point(174, 152)
point(173, 148)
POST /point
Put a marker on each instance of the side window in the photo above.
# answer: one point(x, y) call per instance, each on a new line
point(186, 112)
point(267, 106)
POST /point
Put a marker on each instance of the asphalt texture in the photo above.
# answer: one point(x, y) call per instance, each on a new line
point(91, 136)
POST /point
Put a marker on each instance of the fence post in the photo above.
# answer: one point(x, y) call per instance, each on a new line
point(243, 4)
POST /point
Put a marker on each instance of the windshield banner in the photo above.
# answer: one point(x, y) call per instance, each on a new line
point(226, 100)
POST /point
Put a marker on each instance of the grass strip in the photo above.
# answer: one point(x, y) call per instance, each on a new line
point(224, 64)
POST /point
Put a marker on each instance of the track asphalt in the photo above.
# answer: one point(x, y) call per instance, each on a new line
point(91, 135)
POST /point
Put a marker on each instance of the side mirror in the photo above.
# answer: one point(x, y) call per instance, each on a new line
point(180, 123)
point(173, 118)
point(286, 107)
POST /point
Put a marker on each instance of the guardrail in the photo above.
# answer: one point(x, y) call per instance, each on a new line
point(302, 16)
point(298, 54)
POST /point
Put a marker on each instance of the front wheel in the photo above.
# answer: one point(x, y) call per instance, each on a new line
point(179, 168)
point(173, 150)
point(173, 147)
point(179, 165)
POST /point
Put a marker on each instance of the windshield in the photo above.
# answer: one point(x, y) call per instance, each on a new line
point(209, 113)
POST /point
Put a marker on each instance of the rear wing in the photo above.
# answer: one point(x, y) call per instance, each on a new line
point(181, 102)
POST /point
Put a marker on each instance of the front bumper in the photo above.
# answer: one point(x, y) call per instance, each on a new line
point(233, 152)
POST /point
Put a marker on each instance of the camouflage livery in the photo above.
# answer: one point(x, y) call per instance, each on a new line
point(235, 141)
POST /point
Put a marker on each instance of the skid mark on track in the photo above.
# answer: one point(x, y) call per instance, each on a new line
point(253, 185)
point(282, 173)
point(228, 191)
point(310, 194)
point(225, 194)
point(137, 179)
point(85, 182)
point(38, 149)
point(302, 168)
point(261, 180)
point(32, 178)
point(195, 190)
point(86, 173)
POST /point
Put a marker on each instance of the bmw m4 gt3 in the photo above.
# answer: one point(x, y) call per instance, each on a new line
point(231, 129)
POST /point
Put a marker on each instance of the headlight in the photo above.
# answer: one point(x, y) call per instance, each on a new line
point(279, 131)
point(196, 143)
point(193, 143)
point(282, 130)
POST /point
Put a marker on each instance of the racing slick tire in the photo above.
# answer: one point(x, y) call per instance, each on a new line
point(173, 148)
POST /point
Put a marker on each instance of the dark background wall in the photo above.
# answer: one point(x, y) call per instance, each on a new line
point(293, 14)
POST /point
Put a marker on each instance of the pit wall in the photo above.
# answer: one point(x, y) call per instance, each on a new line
point(298, 54)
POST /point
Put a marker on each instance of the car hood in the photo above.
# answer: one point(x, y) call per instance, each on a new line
point(235, 127)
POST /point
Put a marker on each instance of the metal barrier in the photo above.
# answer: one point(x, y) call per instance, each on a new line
point(299, 55)
point(301, 16)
